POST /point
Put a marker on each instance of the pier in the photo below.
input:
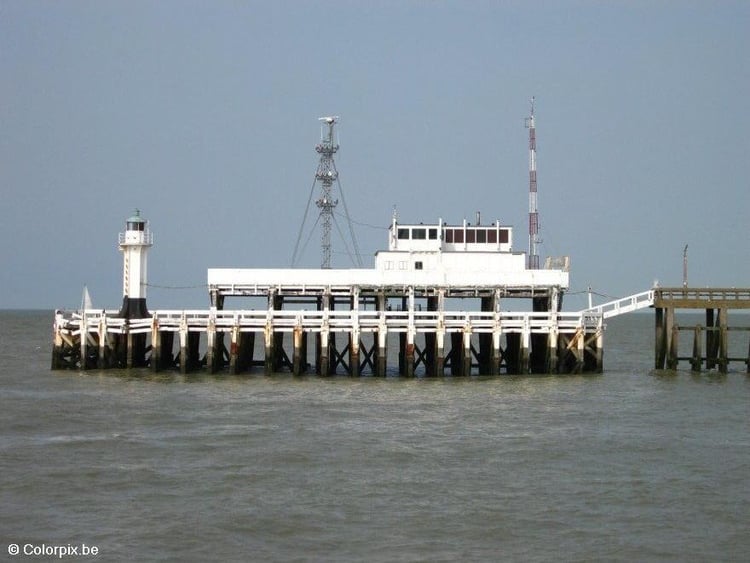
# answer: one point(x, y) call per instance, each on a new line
point(710, 340)
point(353, 341)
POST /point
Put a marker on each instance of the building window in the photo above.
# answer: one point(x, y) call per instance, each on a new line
point(417, 265)
point(432, 234)
point(482, 236)
point(503, 236)
point(418, 234)
point(492, 236)
point(470, 235)
point(449, 235)
point(458, 236)
point(403, 234)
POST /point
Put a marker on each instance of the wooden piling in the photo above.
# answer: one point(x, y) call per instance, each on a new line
point(524, 364)
point(660, 341)
point(156, 342)
point(697, 359)
point(466, 354)
point(673, 346)
point(298, 360)
point(268, 337)
point(324, 353)
point(712, 349)
point(234, 349)
point(723, 341)
point(485, 339)
point(552, 354)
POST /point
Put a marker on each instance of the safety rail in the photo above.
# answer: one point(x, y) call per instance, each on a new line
point(700, 297)
point(623, 305)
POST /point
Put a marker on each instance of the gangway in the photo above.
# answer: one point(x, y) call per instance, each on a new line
point(623, 305)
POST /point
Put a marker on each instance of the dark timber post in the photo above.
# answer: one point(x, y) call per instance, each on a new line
point(671, 335)
point(660, 339)
point(697, 360)
point(723, 341)
point(711, 340)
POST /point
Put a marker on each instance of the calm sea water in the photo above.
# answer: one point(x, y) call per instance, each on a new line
point(628, 466)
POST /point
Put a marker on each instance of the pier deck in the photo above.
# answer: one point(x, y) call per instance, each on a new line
point(462, 342)
point(710, 341)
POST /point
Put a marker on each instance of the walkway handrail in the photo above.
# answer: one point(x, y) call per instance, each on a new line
point(624, 305)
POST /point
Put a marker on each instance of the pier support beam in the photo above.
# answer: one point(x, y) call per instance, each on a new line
point(407, 339)
point(381, 358)
point(466, 355)
point(660, 347)
point(189, 349)
point(324, 353)
point(552, 342)
point(430, 342)
point(488, 305)
point(512, 353)
point(241, 351)
point(58, 350)
point(697, 359)
point(354, 335)
point(104, 360)
point(712, 350)
point(83, 343)
point(497, 353)
point(213, 349)
point(156, 342)
point(538, 341)
point(723, 341)
point(524, 355)
point(299, 354)
point(456, 353)
point(235, 366)
point(671, 339)
point(269, 342)
point(599, 348)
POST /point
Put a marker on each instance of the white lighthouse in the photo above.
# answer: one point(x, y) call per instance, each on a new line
point(134, 244)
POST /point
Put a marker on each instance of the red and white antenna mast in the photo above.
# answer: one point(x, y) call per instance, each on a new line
point(533, 263)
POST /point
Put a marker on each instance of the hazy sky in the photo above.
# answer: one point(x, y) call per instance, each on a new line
point(204, 116)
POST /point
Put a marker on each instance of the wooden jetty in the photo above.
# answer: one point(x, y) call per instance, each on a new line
point(710, 340)
point(352, 341)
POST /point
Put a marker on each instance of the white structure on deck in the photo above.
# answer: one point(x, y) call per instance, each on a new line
point(456, 258)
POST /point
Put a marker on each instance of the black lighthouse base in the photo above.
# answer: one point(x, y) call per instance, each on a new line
point(133, 308)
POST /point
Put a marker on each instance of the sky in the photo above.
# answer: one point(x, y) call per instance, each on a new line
point(204, 115)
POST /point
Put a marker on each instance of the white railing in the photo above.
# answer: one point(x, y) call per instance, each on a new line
point(623, 305)
point(93, 321)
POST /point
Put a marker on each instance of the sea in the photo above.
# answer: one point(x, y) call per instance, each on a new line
point(630, 465)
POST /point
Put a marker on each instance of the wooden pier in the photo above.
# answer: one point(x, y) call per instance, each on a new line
point(710, 340)
point(335, 335)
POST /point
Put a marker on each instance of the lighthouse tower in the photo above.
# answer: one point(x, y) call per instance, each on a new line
point(134, 244)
